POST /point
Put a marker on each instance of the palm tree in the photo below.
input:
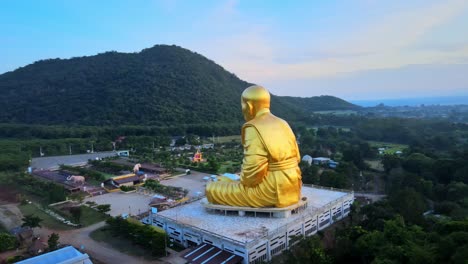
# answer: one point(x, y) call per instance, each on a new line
point(31, 221)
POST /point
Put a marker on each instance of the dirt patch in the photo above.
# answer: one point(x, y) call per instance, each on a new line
point(8, 195)
point(10, 216)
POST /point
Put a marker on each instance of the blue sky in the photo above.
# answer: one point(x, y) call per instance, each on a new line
point(360, 49)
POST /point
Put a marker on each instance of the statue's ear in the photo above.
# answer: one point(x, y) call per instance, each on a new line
point(250, 107)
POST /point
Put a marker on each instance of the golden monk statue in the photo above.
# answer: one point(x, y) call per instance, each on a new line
point(270, 174)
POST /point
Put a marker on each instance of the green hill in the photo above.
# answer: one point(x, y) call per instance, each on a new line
point(162, 85)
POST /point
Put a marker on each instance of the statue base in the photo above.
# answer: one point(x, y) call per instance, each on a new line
point(274, 212)
point(232, 230)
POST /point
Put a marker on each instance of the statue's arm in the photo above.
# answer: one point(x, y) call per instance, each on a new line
point(298, 154)
point(255, 162)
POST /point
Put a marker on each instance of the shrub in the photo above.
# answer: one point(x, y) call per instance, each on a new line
point(103, 208)
point(127, 188)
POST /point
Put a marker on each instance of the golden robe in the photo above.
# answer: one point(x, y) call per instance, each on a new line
point(270, 174)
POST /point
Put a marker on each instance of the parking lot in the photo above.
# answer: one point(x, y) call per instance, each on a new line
point(193, 182)
point(136, 203)
point(123, 203)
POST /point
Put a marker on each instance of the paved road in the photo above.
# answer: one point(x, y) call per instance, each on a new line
point(98, 250)
point(77, 237)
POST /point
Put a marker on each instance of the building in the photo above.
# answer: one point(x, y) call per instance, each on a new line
point(66, 255)
point(333, 164)
point(250, 237)
point(307, 159)
point(207, 146)
point(59, 177)
point(24, 235)
point(381, 151)
point(320, 161)
point(114, 183)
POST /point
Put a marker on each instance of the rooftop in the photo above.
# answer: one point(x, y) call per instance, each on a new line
point(126, 178)
point(64, 255)
point(194, 214)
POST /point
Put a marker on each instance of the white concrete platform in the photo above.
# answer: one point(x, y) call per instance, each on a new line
point(244, 229)
point(275, 212)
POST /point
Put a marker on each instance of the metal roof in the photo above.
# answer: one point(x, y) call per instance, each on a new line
point(208, 254)
point(64, 255)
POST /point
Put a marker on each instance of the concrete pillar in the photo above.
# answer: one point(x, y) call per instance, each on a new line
point(268, 250)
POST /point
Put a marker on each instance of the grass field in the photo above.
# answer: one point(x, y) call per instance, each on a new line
point(391, 148)
point(47, 220)
point(345, 129)
point(375, 164)
point(227, 164)
point(88, 217)
point(220, 140)
point(121, 244)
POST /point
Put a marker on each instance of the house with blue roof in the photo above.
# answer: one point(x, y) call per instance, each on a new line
point(66, 255)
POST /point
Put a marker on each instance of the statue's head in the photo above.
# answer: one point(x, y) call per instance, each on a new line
point(254, 99)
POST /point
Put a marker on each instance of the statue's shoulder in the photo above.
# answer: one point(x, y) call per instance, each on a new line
point(267, 120)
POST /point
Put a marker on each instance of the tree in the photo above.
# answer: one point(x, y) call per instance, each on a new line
point(310, 174)
point(390, 162)
point(53, 241)
point(417, 163)
point(333, 179)
point(31, 221)
point(76, 213)
point(180, 141)
point(410, 204)
point(213, 164)
point(7, 242)
point(56, 193)
point(309, 250)
point(103, 208)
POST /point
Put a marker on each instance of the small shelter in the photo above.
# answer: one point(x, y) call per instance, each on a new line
point(23, 234)
point(114, 183)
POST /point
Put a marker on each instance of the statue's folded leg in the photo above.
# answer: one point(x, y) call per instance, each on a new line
point(236, 194)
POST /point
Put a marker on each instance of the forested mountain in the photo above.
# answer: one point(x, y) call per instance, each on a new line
point(163, 85)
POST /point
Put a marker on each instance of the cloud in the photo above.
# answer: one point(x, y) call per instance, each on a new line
point(401, 30)
point(404, 82)
point(256, 52)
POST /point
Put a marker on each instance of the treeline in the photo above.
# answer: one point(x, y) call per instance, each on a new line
point(159, 86)
point(424, 219)
point(20, 131)
point(109, 167)
point(145, 236)
point(434, 135)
